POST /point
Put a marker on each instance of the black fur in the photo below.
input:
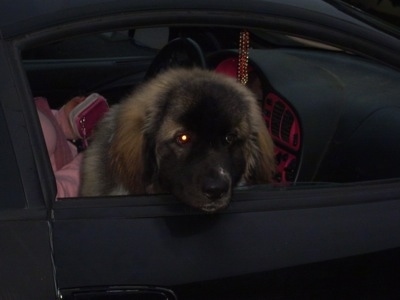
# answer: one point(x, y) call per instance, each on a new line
point(138, 147)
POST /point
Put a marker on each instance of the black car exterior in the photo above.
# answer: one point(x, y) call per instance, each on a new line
point(328, 241)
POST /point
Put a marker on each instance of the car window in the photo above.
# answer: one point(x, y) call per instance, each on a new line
point(322, 106)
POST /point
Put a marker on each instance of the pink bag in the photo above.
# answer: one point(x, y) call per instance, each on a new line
point(85, 116)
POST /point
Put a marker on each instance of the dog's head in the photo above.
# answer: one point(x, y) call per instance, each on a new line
point(198, 134)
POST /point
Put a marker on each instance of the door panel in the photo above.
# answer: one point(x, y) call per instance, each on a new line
point(26, 269)
point(166, 247)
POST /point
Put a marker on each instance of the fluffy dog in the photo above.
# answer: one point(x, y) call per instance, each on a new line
point(193, 133)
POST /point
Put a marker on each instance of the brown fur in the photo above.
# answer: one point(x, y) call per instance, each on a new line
point(134, 149)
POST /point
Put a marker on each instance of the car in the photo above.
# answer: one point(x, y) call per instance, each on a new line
point(327, 78)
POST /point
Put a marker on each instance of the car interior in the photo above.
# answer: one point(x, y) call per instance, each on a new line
point(332, 114)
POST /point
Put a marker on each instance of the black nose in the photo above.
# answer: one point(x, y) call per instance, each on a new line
point(215, 189)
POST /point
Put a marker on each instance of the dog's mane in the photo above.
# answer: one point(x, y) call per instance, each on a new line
point(130, 152)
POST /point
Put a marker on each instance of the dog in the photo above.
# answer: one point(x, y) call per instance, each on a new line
point(190, 132)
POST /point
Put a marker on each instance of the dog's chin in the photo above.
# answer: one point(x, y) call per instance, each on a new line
point(206, 205)
point(214, 207)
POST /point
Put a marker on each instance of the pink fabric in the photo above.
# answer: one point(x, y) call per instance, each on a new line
point(63, 121)
point(63, 155)
point(68, 178)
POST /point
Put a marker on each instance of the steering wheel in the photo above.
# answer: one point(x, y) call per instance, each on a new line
point(180, 52)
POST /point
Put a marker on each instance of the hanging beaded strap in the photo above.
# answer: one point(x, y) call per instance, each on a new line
point(244, 44)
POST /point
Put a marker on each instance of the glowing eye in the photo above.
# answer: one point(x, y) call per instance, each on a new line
point(183, 139)
point(230, 138)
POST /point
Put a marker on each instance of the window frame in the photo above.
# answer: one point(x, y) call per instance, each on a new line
point(159, 19)
point(29, 152)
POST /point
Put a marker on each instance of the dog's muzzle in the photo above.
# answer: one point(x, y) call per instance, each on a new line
point(215, 189)
point(217, 192)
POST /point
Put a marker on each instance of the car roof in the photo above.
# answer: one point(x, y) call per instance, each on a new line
point(18, 17)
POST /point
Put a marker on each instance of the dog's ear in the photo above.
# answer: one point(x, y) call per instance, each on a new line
point(127, 150)
point(261, 159)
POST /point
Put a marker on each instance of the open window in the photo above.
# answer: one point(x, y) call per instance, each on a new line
point(298, 83)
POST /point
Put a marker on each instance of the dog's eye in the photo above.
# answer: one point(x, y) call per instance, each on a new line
point(183, 139)
point(230, 138)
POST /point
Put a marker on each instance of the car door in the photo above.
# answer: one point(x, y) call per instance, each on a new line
point(114, 246)
point(26, 265)
point(154, 241)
